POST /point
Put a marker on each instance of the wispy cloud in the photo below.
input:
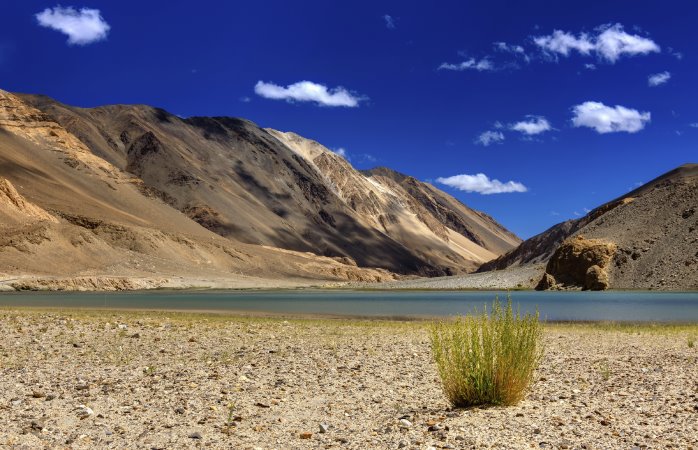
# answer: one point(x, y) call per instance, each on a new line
point(389, 22)
point(483, 64)
point(514, 49)
point(590, 66)
point(608, 42)
point(694, 125)
point(341, 151)
point(658, 78)
point(307, 91)
point(481, 184)
point(82, 27)
point(532, 125)
point(490, 137)
point(607, 119)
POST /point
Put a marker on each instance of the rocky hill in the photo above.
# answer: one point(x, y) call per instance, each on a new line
point(133, 190)
point(646, 239)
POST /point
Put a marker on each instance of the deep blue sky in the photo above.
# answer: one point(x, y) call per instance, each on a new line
point(205, 58)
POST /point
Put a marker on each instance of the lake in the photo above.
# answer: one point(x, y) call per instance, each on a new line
point(553, 306)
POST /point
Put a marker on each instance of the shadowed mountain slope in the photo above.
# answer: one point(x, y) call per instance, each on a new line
point(253, 185)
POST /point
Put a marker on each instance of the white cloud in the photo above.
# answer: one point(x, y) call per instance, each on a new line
point(307, 91)
point(509, 48)
point(533, 125)
point(469, 64)
point(590, 66)
point(341, 151)
point(481, 184)
point(606, 119)
point(389, 22)
point(563, 42)
point(490, 137)
point(608, 42)
point(82, 27)
point(694, 125)
point(658, 78)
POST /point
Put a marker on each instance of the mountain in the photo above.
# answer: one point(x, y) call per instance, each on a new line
point(132, 189)
point(646, 239)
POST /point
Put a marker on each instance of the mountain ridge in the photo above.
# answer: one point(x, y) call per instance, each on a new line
point(228, 181)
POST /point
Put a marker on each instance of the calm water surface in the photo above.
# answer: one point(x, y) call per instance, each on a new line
point(554, 306)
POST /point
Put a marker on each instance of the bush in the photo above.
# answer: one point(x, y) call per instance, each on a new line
point(487, 359)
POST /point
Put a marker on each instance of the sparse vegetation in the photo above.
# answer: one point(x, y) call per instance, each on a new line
point(487, 358)
point(691, 342)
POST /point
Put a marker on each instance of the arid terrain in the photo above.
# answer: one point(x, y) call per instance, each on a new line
point(110, 379)
point(646, 239)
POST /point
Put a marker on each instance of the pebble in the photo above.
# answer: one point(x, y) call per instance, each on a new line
point(195, 435)
point(306, 435)
point(404, 423)
point(402, 444)
point(324, 428)
point(84, 411)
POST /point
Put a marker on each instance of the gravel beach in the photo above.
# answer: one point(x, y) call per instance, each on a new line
point(117, 379)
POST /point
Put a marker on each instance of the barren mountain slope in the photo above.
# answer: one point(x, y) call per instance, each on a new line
point(66, 212)
point(430, 222)
point(242, 182)
point(654, 229)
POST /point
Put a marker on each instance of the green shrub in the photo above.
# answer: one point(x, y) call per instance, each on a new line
point(487, 359)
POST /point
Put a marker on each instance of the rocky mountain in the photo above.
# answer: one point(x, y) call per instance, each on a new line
point(131, 189)
point(646, 239)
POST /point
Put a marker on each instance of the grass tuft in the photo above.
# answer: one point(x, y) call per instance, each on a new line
point(487, 358)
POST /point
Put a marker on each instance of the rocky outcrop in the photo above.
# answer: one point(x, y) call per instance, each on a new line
point(579, 262)
point(654, 229)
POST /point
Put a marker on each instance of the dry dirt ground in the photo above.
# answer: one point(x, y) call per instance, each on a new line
point(115, 379)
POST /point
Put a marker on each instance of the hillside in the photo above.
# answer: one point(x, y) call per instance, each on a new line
point(131, 190)
point(652, 231)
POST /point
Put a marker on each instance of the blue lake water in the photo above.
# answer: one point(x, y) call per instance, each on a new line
point(553, 306)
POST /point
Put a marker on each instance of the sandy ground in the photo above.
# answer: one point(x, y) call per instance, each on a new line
point(114, 379)
point(513, 278)
point(522, 277)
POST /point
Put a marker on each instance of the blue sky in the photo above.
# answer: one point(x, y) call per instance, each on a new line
point(567, 104)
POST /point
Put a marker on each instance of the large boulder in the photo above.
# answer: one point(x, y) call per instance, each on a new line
point(579, 262)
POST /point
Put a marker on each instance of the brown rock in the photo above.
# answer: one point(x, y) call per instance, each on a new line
point(582, 263)
point(596, 279)
point(306, 435)
point(545, 283)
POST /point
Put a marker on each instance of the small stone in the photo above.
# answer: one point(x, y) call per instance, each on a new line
point(108, 432)
point(135, 336)
point(84, 411)
point(306, 435)
point(38, 394)
point(324, 428)
point(536, 431)
point(436, 427)
point(261, 405)
point(195, 435)
point(179, 410)
point(77, 345)
point(404, 423)
point(402, 444)
point(37, 425)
